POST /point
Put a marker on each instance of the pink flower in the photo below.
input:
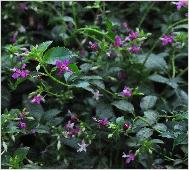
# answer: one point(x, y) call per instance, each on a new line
point(181, 3)
point(62, 66)
point(130, 157)
point(126, 126)
point(37, 99)
point(134, 49)
point(166, 39)
point(93, 45)
point(117, 42)
point(103, 122)
point(126, 92)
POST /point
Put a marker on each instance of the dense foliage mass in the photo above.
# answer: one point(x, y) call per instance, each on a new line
point(94, 85)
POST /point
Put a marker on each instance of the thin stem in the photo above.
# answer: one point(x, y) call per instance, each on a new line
point(182, 72)
point(173, 64)
point(145, 14)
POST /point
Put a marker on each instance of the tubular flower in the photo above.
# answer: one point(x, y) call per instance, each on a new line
point(133, 35)
point(181, 3)
point(37, 99)
point(117, 42)
point(103, 122)
point(93, 45)
point(22, 125)
point(134, 49)
point(130, 157)
point(20, 73)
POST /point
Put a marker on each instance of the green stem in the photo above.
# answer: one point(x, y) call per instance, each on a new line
point(173, 64)
point(182, 72)
point(145, 14)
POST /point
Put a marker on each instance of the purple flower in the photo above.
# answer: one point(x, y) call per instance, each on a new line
point(22, 125)
point(23, 6)
point(82, 146)
point(24, 73)
point(181, 3)
point(69, 125)
point(126, 92)
point(186, 14)
point(103, 122)
point(93, 45)
point(133, 35)
point(134, 49)
point(166, 39)
point(37, 99)
point(117, 42)
point(130, 157)
point(19, 73)
point(63, 66)
point(97, 95)
point(20, 59)
point(13, 39)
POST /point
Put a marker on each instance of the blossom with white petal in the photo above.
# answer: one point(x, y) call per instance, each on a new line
point(82, 146)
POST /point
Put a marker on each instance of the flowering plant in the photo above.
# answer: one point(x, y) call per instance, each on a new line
point(106, 95)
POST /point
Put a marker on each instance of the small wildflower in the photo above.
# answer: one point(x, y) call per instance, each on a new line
point(93, 45)
point(22, 125)
point(126, 92)
point(134, 49)
point(97, 95)
point(133, 35)
point(130, 157)
point(166, 39)
point(62, 66)
point(103, 122)
point(69, 125)
point(82, 146)
point(181, 3)
point(37, 99)
point(117, 42)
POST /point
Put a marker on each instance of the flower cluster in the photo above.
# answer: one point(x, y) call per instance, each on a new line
point(37, 99)
point(166, 39)
point(180, 4)
point(130, 157)
point(20, 72)
point(101, 122)
point(22, 124)
point(71, 129)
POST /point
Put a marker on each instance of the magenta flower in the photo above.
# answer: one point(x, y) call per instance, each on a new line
point(93, 45)
point(117, 42)
point(69, 125)
point(133, 35)
point(103, 122)
point(37, 99)
point(128, 158)
point(22, 125)
point(126, 126)
point(97, 95)
point(181, 3)
point(166, 39)
point(19, 73)
point(134, 49)
point(127, 92)
point(62, 66)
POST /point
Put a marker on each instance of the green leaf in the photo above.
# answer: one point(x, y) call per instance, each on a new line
point(43, 47)
point(74, 68)
point(73, 142)
point(158, 78)
point(69, 19)
point(120, 120)
point(160, 127)
point(85, 85)
point(181, 139)
point(157, 141)
point(148, 102)
point(151, 116)
point(42, 129)
point(57, 53)
point(124, 105)
point(104, 110)
point(51, 114)
point(144, 133)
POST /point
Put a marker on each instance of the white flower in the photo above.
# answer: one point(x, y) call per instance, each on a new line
point(82, 146)
point(97, 95)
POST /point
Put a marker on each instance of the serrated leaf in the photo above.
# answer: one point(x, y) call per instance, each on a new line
point(57, 53)
point(151, 116)
point(124, 105)
point(144, 133)
point(148, 102)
